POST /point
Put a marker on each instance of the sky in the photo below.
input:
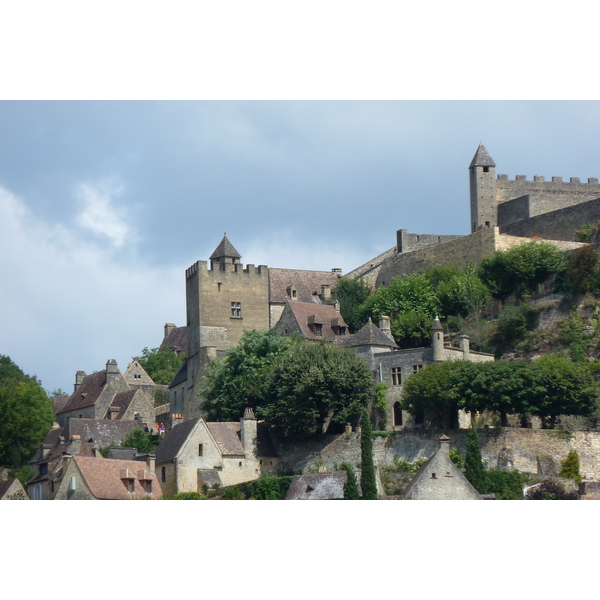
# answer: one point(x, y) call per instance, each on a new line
point(104, 204)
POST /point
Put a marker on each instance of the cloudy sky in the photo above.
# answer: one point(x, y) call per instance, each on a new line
point(103, 205)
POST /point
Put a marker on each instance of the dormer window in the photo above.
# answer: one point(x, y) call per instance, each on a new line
point(292, 292)
point(318, 329)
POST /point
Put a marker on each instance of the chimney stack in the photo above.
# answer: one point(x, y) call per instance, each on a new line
point(78, 379)
point(445, 444)
point(326, 293)
point(465, 346)
point(168, 328)
point(384, 325)
point(151, 460)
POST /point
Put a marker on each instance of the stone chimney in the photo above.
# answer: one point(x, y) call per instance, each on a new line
point(326, 293)
point(445, 444)
point(248, 434)
point(384, 325)
point(176, 419)
point(151, 461)
point(465, 346)
point(78, 379)
point(112, 370)
point(74, 448)
point(168, 328)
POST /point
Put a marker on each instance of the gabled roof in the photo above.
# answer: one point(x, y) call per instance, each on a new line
point(317, 486)
point(176, 339)
point(173, 441)
point(307, 284)
point(370, 335)
point(227, 436)
point(87, 393)
point(121, 403)
point(306, 314)
point(225, 250)
point(105, 477)
point(482, 158)
point(10, 487)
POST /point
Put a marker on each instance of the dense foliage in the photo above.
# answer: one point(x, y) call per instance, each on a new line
point(312, 385)
point(161, 364)
point(351, 485)
point(351, 293)
point(25, 414)
point(570, 467)
point(551, 386)
point(474, 467)
point(239, 380)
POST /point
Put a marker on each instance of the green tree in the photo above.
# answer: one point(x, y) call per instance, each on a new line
point(161, 364)
point(351, 294)
point(142, 441)
point(25, 414)
point(570, 467)
point(240, 378)
point(410, 302)
point(429, 392)
point(463, 294)
point(474, 468)
point(582, 269)
point(312, 385)
point(560, 386)
point(512, 327)
point(521, 268)
point(368, 484)
point(351, 485)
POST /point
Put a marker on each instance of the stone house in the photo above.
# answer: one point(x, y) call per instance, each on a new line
point(440, 479)
point(392, 365)
point(312, 321)
point(111, 395)
point(195, 453)
point(94, 478)
point(12, 490)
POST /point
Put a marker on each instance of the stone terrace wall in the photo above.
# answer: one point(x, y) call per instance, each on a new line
point(530, 450)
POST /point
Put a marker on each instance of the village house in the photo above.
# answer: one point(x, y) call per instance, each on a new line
point(12, 490)
point(195, 454)
point(111, 395)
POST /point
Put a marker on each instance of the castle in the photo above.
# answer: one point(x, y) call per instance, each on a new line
point(227, 299)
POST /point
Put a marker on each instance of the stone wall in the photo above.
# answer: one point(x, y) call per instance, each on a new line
point(534, 451)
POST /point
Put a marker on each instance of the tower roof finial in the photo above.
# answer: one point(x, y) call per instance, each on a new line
point(482, 158)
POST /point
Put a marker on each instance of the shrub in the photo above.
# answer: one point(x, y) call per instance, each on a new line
point(570, 467)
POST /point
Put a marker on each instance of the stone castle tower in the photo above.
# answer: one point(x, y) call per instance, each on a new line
point(222, 302)
point(482, 172)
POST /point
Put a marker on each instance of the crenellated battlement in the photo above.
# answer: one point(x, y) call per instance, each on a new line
point(521, 179)
point(202, 267)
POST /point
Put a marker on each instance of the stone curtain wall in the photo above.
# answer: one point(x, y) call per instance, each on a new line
point(534, 451)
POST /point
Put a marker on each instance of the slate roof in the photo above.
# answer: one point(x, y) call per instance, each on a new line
point(370, 335)
point(317, 486)
point(307, 284)
point(58, 402)
point(306, 313)
point(181, 375)
point(122, 401)
point(88, 392)
point(104, 477)
point(173, 441)
point(225, 250)
point(101, 432)
point(176, 339)
point(482, 158)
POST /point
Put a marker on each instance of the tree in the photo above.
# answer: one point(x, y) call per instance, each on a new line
point(239, 380)
point(142, 441)
point(560, 386)
point(474, 469)
point(312, 385)
point(430, 392)
point(583, 268)
point(570, 467)
point(368, 484)
point(521, 268)
point(25, 414)
point(411, 304)
point(463, 294)
point(351, 293)
point(161, 364)
point(351, 485)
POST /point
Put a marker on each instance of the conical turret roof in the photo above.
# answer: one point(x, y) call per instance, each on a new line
point(225, 250)
point(370, 335)
point(482, 158)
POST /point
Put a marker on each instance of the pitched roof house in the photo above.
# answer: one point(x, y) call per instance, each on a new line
point(108, 394)
point(12, 490)
point(196, 453)
point(440, 479)
point(312, 321)
point(92, 478)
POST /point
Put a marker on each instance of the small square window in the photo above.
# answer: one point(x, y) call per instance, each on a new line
point(417, 368)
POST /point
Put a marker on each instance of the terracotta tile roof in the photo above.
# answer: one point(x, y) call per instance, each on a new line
point(307, 314)
point(177, 339)
point(307, 283)
point(227, 436)
point(104, 477)
point(88, 392)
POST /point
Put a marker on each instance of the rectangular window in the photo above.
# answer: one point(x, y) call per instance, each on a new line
point(396, 376)
point(200, 450)
point(148, 487)
point(236, 310)
point(163, 474)
point(318, 329)
point(417, 368)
